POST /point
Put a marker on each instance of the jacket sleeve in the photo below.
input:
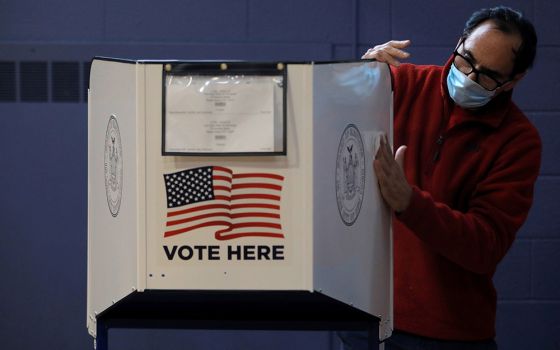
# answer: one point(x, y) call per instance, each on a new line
point(479, 238)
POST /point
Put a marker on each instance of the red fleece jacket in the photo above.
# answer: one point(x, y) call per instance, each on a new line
point(472, 173)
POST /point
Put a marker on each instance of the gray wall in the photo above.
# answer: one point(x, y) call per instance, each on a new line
point(45, 49)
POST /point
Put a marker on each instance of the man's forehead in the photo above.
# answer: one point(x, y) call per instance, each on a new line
point(488, 33)
point(492, 48)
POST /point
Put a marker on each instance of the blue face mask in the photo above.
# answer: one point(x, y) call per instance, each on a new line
point(466, 92)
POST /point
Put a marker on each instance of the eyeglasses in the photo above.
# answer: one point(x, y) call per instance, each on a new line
point(466, 66)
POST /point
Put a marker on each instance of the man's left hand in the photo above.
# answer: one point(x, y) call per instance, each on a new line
point(393, 184)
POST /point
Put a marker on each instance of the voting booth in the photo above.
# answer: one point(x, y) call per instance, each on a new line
point(238, 177)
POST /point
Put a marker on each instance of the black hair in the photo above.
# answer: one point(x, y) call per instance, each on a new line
point(509, 21)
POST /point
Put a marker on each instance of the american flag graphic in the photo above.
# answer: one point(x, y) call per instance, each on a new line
point(238, 205)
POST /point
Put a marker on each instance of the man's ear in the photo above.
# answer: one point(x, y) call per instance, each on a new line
point(511, 84)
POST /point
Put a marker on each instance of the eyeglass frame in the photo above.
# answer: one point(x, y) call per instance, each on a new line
point(474, 69)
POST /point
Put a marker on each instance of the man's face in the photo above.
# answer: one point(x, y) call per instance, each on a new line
point(493, 51)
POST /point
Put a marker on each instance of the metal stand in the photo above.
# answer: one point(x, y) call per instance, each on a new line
point(233, 311)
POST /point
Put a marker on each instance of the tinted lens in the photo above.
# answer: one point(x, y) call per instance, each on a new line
point(486, 82)
point(463, 65)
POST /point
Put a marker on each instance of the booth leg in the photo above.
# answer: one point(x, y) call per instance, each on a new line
point(101, 338)
point(373, 338)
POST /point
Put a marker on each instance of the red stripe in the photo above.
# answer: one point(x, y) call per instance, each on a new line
point(254, 224)
point(255, 205)
point(222, 188)
point(255, 196)
point(200, 208)
point(223, 198)
point(256, 215)
point(265, 175)
point(227, 234)
point(256, 185)
point(225, 237)
point(220, 168)
point(190, 228)
point(199, 217)
point(223, 178)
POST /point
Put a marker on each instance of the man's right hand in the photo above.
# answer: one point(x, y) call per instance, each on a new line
point(390, 52)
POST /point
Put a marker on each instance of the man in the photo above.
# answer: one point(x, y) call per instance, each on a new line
point(471, 162)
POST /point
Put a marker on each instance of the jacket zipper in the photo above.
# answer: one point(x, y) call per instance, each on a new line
point(439, 143)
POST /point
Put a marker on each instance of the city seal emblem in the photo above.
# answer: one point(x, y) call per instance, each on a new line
point(350, 174)
point(113, 166)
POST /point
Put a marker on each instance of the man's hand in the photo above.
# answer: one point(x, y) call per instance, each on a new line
point(390, 52)
point(393, 184)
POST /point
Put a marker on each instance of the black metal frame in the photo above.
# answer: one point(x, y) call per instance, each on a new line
point(233, 310)
point(474, 69)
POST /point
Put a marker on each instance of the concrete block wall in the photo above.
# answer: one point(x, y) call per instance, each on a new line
point(45, 48)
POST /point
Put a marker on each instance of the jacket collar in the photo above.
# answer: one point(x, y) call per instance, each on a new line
point(491, 114)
